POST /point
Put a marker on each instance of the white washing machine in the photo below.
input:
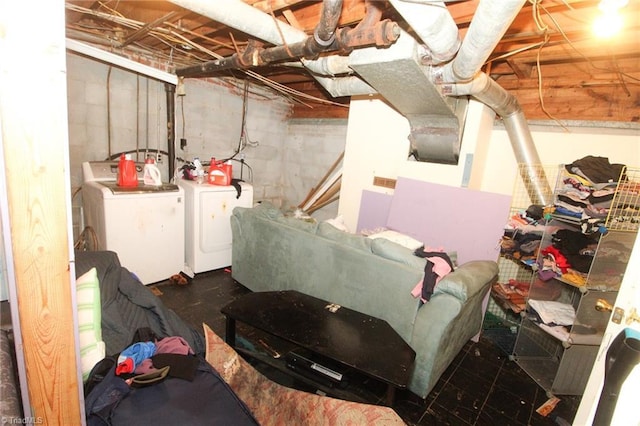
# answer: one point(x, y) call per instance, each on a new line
point(144, 225)
point(207, 226)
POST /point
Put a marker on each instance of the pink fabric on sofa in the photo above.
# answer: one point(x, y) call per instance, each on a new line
point(274, 404)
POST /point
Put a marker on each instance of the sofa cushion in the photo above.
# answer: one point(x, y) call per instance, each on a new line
point(394, 251)
point(268, 210)
point(338, 222)
point(398, 238)
point(92, 348)
point(302, 224)
point(468, 280)
point(330, 232)
point(456, 287)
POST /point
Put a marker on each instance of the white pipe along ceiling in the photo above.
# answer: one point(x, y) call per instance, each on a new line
point(428, 79)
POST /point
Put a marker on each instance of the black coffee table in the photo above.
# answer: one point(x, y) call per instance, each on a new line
point(354, 340)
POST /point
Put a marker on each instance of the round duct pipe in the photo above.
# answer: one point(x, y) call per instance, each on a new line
point(490, 93)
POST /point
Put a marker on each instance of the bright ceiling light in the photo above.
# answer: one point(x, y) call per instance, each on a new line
point(611, 5)
point(609, 22)
point(607, 25)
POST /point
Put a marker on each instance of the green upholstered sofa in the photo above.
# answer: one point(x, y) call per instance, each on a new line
point(274, 252)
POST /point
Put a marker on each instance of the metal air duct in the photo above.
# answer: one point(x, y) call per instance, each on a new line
point(326, 38)
point(490, 93)
point(246, 18)
point(435, 26)
point(397, 74)
point(400, 76)
point(434, 122)
point(490, 21)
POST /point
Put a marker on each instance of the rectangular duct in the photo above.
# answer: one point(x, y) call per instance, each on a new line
point(397, 75)
point(435, 138)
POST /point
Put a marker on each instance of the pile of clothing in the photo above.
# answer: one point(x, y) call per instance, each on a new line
point(553, 317)
point(588, 188)
point(568, 257)
point(513, 294)
point(523, 234)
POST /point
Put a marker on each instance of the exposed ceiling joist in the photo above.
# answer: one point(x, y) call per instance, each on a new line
point(553, 35)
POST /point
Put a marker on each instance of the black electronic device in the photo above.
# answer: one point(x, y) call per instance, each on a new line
point(315, 367)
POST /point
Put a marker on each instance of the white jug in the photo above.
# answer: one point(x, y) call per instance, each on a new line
point(152, 174)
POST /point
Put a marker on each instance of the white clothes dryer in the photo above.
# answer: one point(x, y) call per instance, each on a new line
point(144, 225)
point(208, 208)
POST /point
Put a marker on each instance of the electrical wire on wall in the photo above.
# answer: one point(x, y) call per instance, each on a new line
point(156, 117)
point(146, 132)
point(244, 140)
point(109, 110)
point(137, 112)
point(182, 138)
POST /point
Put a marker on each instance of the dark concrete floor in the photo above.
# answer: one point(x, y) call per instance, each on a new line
point(481, 387)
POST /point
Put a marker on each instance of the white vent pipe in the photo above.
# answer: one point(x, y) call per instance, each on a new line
point(489, 24)
point(346, 86)
point(327, 65)
point(246, 18)
point(435, 26)
point(490, 93)
point(490, 21)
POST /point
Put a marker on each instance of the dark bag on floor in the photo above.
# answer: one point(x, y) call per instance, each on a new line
point(206, 400)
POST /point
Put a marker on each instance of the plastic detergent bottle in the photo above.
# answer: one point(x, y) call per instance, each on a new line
point(151, 173)
point(219, 173)
point(199, 171)
point(199, 176)
point(127, 174)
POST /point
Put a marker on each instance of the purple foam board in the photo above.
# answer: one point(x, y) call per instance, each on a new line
point(374, 210)
point(467, 221)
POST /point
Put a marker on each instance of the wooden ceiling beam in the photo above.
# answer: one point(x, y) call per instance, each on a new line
point(519, 69)
point(561, 51)
point(142, 32)
point(273, 5)
point(291, 18)
point(593, 70)
point(603, 80)
point(309, 15)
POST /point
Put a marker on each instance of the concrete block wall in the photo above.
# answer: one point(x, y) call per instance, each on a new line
point(99, 95)
point(110, 110)
point(312, 147)
point(284, 158)
point(213, 128)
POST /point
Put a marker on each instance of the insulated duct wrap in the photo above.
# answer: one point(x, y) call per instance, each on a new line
point(435, 26)
point(398, 76)
point(490, 93)
point(434, 138)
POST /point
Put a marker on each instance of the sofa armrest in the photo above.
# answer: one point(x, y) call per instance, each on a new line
point(468, 279)
point(444, 324)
